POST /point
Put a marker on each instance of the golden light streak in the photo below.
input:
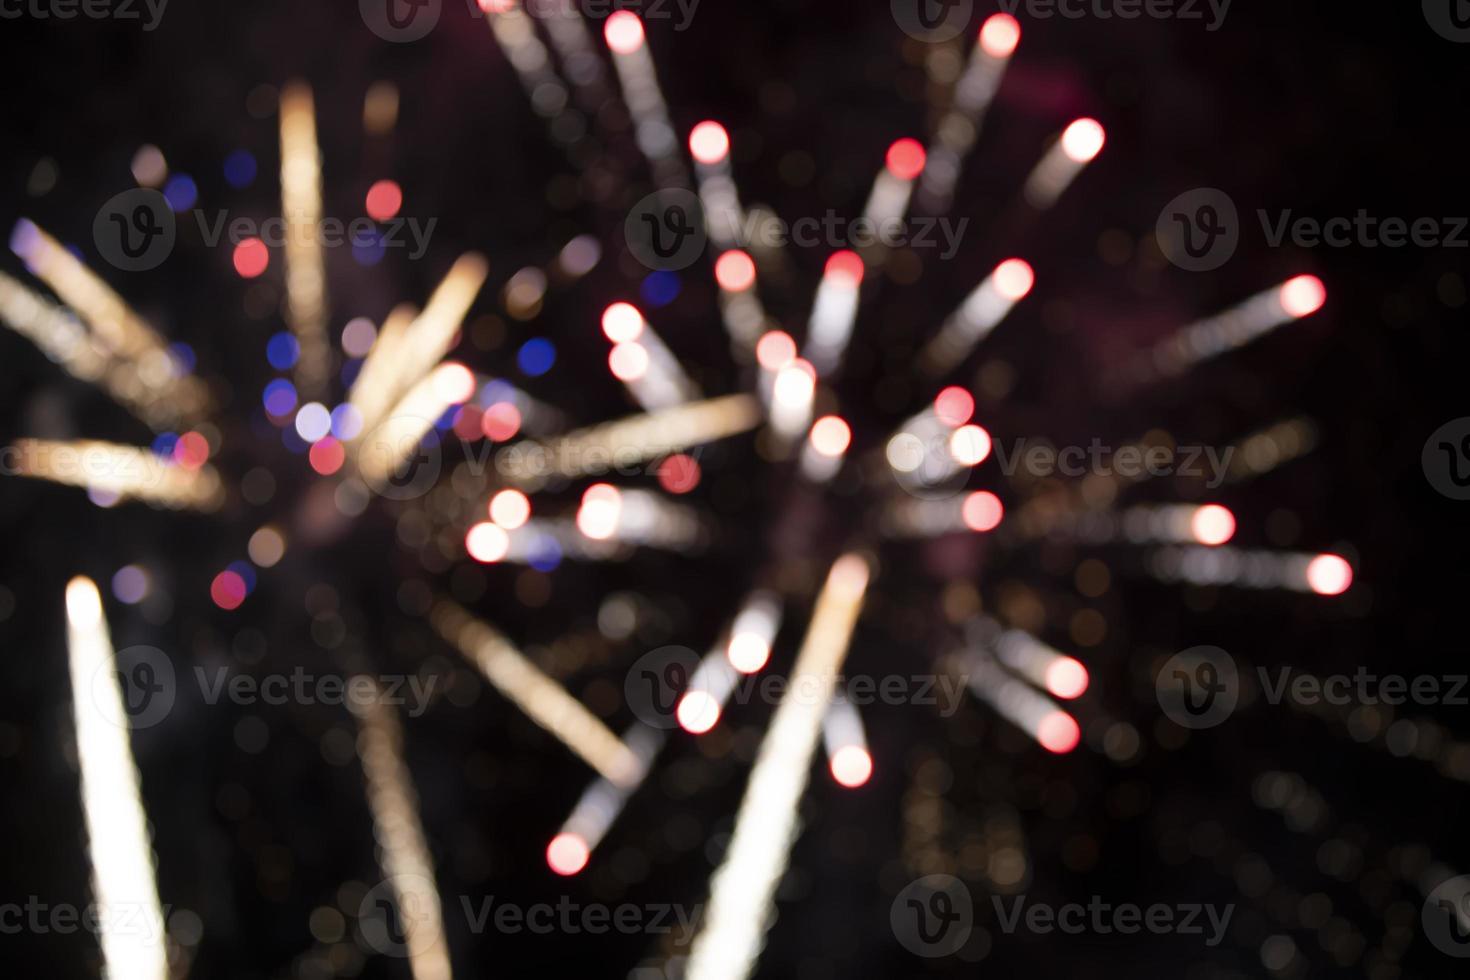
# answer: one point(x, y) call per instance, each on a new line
point(432, 334)
point(375, 386)
point(382, 451)
point(408, 869)
point(630, 441)
point(138, 474)
point(543, 700)
point(123, 876)
point(301, 208)
point(743, 887)
point(153, 377)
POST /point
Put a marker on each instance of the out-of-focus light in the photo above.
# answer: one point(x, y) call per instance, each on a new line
point(954, 406)
point(567, 854)
point(747, 652)
point(1212, 525)
point(1303, 296)
point(501, 422)
point(536, 357)
point(845, 266)
point(181, 192)
point(282, 351)
point(999, 35)
point(251, 258)
point(831, 435)
point(191, 451)
point(628, 362)
point(313, 421)
point(130, 584)
point(1058, 733)
point(240, 169)
point(709, 143)
point(698, 712)
point(969, 445)
point(905, 452)
point(279, 397)
point(602, 507)
point(775, 350)
point(346, 422)
point(358, 337)
point(735, 271)
point(1066, 678)
point(906, 159)
point(621, 323)
point(795, 384)
point(326, 456)
point(149, 167)
point(1014, 279)
point(383, 200)
point(1329, 575)
point(454, 382)
point(267, 547)
point(679, 473)
point(982, 511)
point(660, 288)
point(624, 32)
point(1083, 140)
point(510, 509)
point(852, 766)
point(487, 543)
point(228, 590)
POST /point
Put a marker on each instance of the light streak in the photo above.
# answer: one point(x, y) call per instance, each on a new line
point(125, 471)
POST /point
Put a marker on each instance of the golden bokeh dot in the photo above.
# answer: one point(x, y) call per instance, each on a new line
point(1093, 578)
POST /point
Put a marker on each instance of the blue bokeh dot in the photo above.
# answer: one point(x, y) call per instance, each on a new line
point(536, 357)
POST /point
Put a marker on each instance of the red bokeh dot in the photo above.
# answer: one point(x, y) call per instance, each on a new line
point(906, 159)
point(327, 456)
point(227, 590)
point(1058, 732)
point(251, 258)
point(383, 200)
point(501, 422)
point(735, 271)
point(567, 854)
point(954, 406)
point(679, 473)
point(191, 451)
point(982, 511)
point(846, 265)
